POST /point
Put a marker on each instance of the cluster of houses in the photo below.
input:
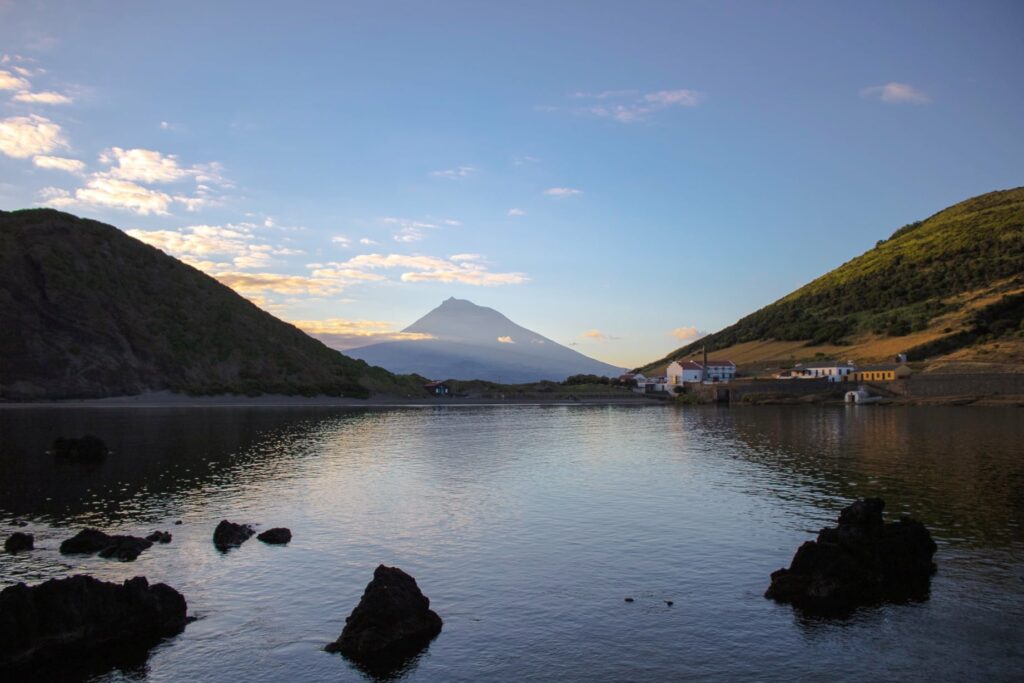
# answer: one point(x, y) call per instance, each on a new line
point(683, 372)
point(835, 371)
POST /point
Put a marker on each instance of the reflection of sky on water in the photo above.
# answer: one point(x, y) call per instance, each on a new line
point(527, 526)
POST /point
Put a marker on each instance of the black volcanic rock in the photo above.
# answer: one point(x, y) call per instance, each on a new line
point(392, 622)
point(229, 535)
point(19, 541)
point(89, 541)
point(276, 536)
point(89, 447)
point(85, 542)
point(861, 561)
point(64, 622)
point(125, 548)
point(159, 537)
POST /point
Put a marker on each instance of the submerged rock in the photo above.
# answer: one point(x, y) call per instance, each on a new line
point(863, 560)
point(276, 536)
point(229, 535)
point(89, 541)
point(81, 619)
point(159, 537)
point(392, 622)
point(89, 447)
point(18, 542)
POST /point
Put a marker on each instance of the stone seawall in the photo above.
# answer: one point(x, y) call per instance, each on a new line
point(931, 386)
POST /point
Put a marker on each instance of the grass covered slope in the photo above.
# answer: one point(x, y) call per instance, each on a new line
point(87, 311)
point(914, 285)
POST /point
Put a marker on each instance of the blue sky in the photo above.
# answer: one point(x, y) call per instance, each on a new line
point(616, 176)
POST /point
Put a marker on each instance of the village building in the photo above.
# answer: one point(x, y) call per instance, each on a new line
point(832, 370)
point(650, 385)
point(688, 371)
point(437, 388)
point(882, 373)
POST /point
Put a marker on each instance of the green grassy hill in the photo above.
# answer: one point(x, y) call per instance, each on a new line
point(904, 285)
point(88, 311)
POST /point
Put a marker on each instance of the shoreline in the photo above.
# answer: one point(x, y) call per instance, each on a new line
point(166, 399)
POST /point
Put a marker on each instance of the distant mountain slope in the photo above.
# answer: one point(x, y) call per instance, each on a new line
point(87, 311)
point(941, 283)
point(474, 342)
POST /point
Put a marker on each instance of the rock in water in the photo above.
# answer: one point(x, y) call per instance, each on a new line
point(18, 542)
point(863, 560)
point(89, 541)
point(229, 535)
point(159, 537)
point(392, 622)
point(64, 622)
point(276, 536)
point(89, 447)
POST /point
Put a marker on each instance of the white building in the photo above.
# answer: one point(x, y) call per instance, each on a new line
point(686, 371)
point(832, 370)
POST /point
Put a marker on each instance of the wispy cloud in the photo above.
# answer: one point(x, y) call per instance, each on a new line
point(458, 172)
point(59, 164)
point(143, 165)
point(506, 340)
point(895, 93)
point(343, 334)
point(596, 335)
point(467, 269)
point(562, 192)
point(215, 248)
point(24, 136)
point(366, 241)
point(629, 106)
point(687, 333)
point(516, 212)
point(410, 230)
point(10, 81)
point(45, 97)
point(341, 241)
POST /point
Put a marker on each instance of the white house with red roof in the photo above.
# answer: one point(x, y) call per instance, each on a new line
point(686, 371)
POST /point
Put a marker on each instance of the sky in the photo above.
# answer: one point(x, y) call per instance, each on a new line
point(618, 176)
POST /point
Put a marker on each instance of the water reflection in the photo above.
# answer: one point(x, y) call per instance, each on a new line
point(526, 527)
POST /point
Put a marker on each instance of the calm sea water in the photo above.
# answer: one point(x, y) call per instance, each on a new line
point(528, 526)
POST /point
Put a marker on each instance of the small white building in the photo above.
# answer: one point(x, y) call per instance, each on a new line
point(686, 371)
point(651, 385)
point(832, 370)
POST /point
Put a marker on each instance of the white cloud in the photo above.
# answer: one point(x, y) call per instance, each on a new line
point(143, 165)
point(628, 106)
point(215, 248)
point(366, 241)
point(59, 164)
point(122, 194)
point(465, 257)
point(415, 230)
point(341, 241)
point(687, 333)
point(9, 81)
point(46, 97)
point(596, 335)
point(516, 212)
point(434, 269)
point(458, 172)
point(25, 136)
point(506, 340)
point(895, 93)
point(562, 192)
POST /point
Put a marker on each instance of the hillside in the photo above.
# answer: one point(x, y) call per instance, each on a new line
point(88, 311)
point(475, 342)
point(935, 289)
